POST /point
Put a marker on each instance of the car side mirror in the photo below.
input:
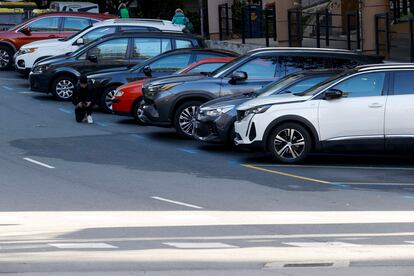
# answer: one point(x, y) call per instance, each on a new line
point(80, 41)
point(147, 71)
point(92, 58)
point(333, 94)
point(238, 76)
point(26, 31)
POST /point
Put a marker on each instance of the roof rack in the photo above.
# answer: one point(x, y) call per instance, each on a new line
point(300, 49)
point(385, 66)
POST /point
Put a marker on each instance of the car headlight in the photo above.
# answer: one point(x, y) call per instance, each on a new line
point(27, 51)
point(40, 69)
point(118, 93)
point(155, 89)
point(257, 110)
point(216, 111)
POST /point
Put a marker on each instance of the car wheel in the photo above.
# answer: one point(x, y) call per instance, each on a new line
point(106, 99)
point(63, 88)
point(184, 116)
point(136, 112)
point(6, 57)
point(290, 143)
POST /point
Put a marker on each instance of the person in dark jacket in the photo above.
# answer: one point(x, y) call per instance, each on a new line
point(83, 99)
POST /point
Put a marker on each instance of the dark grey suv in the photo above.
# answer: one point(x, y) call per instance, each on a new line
point(173, 101)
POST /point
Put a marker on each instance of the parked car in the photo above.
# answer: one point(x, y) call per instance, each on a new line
point(46, 26)
point(128, 97)
point(74, 6)
point(105, 82)
point(215, 119)
point(33, 52)
point(367, 108)
point(174, 101)
point(59, 74)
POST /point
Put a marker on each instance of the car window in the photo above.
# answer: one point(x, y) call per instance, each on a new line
point(260, 68)
point(97, 33)
point(179, 43)
point(171, 63)
point(305, 84)
point(73, 24)
point(365, 85)
point(150, 47)
point(111, 49)
point(137, 28)
point(403, 83)
point(50, 24)
point(206, 67)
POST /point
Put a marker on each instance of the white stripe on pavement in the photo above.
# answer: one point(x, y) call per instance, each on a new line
point(321, 244)
point(39, 163)
point(195, 245)
point(412, 242)
point(176, 202)
point(8, 88)
point(83, 245)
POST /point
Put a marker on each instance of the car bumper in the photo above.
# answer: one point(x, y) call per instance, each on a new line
point(244, 131)
point(39, 83)
point(150, 115)
point(213, 129)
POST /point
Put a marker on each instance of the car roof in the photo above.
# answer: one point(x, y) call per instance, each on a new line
point(382, 66)
point(133, 33)
point(203, 50)
point(163, 25)
point(320, 72)
point(303, 50)
point(78, 14)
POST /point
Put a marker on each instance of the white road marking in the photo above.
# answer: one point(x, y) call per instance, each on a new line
point(412, 242)
point(321, 244)
point(83, 245)
point(8, 88)
point(336, 167)
point(39, 163)
point(197, 245)
point(176, 202)
point(26, 92)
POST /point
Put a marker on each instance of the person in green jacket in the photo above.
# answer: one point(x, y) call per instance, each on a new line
point(180, 19)
point(123, 10)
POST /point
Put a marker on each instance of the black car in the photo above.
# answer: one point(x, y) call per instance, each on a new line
point(215, 119)
point(174, 101)
point(59, 74)
point(106, 81)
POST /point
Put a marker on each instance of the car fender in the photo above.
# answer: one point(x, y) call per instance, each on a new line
point(190, 95)
point(9, 44)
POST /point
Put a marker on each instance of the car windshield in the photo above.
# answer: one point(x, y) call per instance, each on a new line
point(277, 85)
point(321, 86)
point(75, 34)
point(223, 68)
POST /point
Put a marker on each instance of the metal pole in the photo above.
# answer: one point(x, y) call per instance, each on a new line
point(348, 31)
point(412, 39)
point(387, 32)
point(327, 28)
point(358, 30)
point(250, 22)
point(220, 23)
point(290, 27)
point(274, 23)
point(227, 20)
point(298, 26)
point(377, 44)
point(243, 26)
point(200, 4)
point(318, 31)
point(267, 27)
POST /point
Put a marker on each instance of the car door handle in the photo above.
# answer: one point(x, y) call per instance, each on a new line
point(375, 105)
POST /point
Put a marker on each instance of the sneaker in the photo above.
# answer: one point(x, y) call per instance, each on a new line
point(90, 120)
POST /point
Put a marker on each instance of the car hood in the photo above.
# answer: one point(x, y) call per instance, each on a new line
point(173, 79)
point(276, 99)
point(53, 59)
point(108, 73)
point(229, 100)
point(49, 43)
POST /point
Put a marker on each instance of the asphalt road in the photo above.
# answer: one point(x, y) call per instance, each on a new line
point(114, 198)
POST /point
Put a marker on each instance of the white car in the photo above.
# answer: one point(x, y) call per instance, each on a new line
point(367, 108)
point(33, 52)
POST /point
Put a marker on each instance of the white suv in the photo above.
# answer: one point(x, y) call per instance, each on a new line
point(33, 52)
point(367, 108)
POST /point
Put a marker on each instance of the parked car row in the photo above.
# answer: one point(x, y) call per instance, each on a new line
point(289, 101)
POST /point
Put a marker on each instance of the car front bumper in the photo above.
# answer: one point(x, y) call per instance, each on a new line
point(213, 129)
point(39, 83)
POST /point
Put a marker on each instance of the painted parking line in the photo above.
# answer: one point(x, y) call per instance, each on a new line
point(176, 202)
point(321, 244)
point(65, 110)
point(335, 167)
point(39, 163)
point(83, 245)
point(322, 181)
point(103, 124)
point(26, 92)
point(7, 88)
point(190, 151)
point(198, 245)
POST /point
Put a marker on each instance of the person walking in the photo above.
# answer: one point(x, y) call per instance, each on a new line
point(123, 10)
point(180, 19)
point(83, 99)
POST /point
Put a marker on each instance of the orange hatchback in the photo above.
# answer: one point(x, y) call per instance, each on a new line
point(128, 96)
point(46, 26)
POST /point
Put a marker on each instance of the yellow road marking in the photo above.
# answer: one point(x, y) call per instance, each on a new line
point(287, 174)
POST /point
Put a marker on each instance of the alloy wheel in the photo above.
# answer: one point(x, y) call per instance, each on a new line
point(289, 143)
point(186, 119)
point(108, 99)
point(4, 59)
point(64, 89)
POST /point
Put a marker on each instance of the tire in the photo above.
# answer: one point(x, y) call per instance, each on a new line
point(106, 99)
point(288, 147)
point(63, 88)
point(6, 57)
point(135, 113)
point(230, 138)
point(182, 120)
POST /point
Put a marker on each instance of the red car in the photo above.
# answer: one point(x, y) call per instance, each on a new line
point(129, 94)
point(46, 26)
